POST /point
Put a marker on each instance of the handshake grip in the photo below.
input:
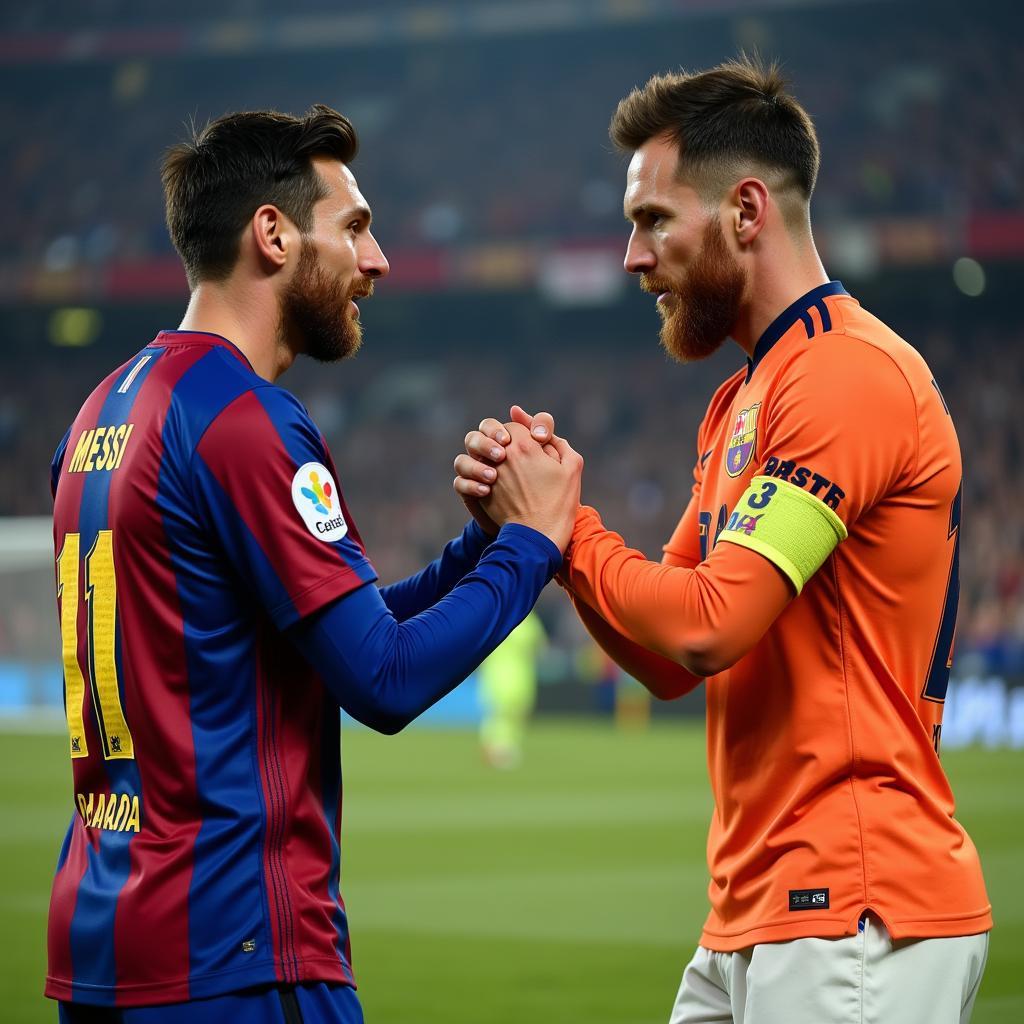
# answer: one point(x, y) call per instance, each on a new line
point(536, 485)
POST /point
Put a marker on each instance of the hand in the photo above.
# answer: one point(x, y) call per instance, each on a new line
point(535, 487)
point(485, 450)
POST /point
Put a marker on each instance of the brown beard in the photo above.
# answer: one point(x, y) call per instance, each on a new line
point(314, 311)
point(702, 309)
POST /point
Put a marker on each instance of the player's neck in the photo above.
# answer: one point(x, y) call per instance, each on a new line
point(774, 286)
point(245, 319)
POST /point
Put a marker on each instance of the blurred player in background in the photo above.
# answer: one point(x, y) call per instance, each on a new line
point(217, 606)
point(508, 692)
point(812, 582)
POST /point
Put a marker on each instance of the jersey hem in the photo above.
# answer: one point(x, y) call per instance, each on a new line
point(920, 928)
point(971, 923)
point(204, 986)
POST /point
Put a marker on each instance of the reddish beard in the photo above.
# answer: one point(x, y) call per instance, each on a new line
point(701, 310)
point(315, 318)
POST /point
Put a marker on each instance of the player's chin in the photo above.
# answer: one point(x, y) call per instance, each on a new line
point(335, 342)
point(686, 347)
point(351, 340)
point(354, 339)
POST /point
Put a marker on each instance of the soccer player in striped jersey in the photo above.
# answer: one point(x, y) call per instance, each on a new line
point(217, 606)
point(811, 582)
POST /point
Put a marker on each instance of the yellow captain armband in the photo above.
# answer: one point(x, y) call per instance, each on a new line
point(785, 524)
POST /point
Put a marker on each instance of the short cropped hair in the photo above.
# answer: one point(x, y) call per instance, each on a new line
point(730, 120)
point(215, 182)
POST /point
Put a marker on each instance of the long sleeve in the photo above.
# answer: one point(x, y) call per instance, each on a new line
point(415, 593)
point(385, 673)
point(704, 618)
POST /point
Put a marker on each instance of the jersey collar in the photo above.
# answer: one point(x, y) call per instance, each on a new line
point(207, 338)
point(799, 310)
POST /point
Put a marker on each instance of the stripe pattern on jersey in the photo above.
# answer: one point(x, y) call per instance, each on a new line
point(236, 743)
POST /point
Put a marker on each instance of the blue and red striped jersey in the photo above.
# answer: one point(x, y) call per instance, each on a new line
point(197, 515)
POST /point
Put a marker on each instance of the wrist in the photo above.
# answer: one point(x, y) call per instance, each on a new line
point(518, 532)
point(549, 530)
point(475, 536)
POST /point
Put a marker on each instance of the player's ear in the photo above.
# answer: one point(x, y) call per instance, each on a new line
point(271, 236)
point(749, 209)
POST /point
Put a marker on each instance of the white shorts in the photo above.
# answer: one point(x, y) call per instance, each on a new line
point(858, 979)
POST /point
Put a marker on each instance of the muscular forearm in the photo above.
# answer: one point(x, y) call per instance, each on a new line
point(704, 619)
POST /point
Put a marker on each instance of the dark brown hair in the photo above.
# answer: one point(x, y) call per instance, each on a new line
point(734, 115)
point(214, 183)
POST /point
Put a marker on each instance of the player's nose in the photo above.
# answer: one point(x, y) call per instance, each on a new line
point(372, 261)
point(640, 258)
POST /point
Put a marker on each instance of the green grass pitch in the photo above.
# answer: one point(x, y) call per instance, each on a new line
point(570, 891)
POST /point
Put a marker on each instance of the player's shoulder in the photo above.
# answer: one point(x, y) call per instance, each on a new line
point(860, 362)
point(263, 435)
point(219, 395)
point(862, 349)
point(260, 411)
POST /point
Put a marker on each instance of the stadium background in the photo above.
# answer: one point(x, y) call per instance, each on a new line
point(572, 889)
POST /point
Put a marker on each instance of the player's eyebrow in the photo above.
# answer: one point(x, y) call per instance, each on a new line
point(358, 212)
point(641, 210)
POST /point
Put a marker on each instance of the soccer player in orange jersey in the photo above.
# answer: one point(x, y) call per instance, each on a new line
point(811, 582)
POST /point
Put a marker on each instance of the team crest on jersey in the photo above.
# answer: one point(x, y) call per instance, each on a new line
point(316, 499)
point(740, 449)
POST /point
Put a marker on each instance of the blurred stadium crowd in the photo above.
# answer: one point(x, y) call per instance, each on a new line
point(500, 141)
point(506, 139)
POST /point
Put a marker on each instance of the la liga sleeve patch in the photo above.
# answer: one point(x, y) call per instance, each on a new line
point(783, 523)
point(315, 496)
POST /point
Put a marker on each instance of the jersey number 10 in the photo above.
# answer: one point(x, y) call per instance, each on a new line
point(101, 598)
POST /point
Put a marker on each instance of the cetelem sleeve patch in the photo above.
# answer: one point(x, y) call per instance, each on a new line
point(785, 524)
point(315, 497)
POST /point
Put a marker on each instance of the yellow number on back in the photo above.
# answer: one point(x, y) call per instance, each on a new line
point(101, 594)
point(74, 682)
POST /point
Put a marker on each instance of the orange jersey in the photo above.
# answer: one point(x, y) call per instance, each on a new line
point(833, 447)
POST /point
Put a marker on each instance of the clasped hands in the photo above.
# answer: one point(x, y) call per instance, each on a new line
point(520, 472)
